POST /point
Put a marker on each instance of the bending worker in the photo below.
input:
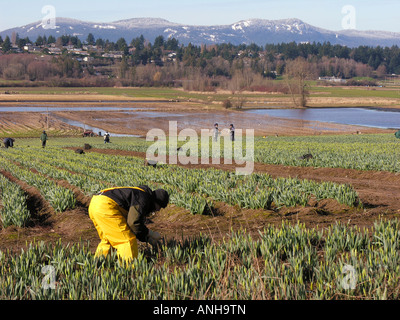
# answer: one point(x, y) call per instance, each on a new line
point(8, 142)
point(119, 214)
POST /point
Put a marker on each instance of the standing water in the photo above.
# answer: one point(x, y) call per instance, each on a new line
point(349, 116)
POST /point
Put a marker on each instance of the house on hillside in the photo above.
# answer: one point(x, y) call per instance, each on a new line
point(169, 56)
point(114, 55)
point(32, 48)
point(332, 79)
point(54, 50)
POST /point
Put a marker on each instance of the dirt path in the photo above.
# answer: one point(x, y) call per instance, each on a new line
point(47, 225)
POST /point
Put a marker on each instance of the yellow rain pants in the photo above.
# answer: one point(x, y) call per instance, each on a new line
point(110, 222)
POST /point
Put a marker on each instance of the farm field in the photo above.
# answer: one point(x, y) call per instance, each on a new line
point(290, 230)
point(178, 105)
point(327, 96)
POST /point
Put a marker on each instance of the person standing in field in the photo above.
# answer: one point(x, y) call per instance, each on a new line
point(216, 132)
point(119, 217)
point(232, 132)
point(107, 137)
point(43, 138)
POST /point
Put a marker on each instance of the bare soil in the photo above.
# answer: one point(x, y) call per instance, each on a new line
point(25, 122)
point(136, 123)
point(378, 191)
point(188, 115)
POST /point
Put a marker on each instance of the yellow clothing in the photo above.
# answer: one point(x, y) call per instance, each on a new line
point(110, 221)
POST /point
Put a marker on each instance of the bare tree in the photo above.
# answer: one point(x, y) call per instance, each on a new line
point(297, 72)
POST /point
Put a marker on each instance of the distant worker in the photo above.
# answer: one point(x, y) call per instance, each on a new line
point(232, 132)
point(119, 217)
point(8, 142)
point(43, 138)
point(107, 137)
point(216, 132)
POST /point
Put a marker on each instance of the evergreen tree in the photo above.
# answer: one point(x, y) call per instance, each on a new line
point(121, 45)
point(39, 41)
point(159, 42)
point(7, 44)
point(51, 40)
point(100, 43)
point(138, 43)
point(171, 44)
point(90, 39)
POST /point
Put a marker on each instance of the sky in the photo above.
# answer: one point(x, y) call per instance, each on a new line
point(364, 15)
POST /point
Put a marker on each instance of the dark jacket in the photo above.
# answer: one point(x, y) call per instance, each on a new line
point(137, 203)
point(43, 137)
point(8, 142)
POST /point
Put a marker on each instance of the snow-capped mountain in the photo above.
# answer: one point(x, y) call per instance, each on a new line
point(249, 31)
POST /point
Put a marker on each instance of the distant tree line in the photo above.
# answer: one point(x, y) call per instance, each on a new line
point(166, 62)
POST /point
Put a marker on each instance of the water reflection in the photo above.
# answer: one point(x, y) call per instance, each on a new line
point(349, 116)
point(374, 118)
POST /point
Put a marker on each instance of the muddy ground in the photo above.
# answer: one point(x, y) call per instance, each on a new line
point(157, 115)
point(379, 191)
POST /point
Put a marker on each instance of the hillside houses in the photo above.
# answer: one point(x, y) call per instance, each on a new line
point(332, 79)
point(113, 55)
point(165, 62)
point(32, 48)
point(87, 52)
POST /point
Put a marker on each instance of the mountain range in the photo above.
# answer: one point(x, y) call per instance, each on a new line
point(258, 31)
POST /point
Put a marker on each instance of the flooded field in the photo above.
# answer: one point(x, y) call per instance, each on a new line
point(351, 116)
point(137, 118)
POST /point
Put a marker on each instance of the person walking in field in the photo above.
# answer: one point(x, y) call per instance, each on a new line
point(232, 132)
point(43, 138)
point(216, 132)
point(119, 217)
